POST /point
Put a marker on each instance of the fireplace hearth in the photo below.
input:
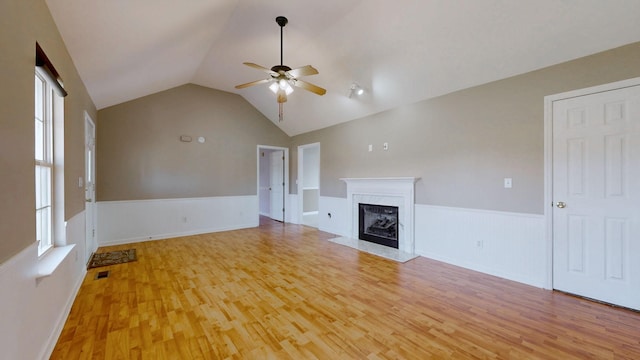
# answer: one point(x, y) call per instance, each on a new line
point(378, 224)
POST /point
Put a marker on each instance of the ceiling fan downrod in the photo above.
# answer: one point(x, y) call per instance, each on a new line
point(282, 21)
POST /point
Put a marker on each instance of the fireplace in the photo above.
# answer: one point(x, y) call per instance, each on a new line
point(378, 224)
point(397, 193)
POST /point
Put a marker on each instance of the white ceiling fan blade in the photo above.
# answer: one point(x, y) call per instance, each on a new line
point(303, 71)
point(257, 82)
point(261, 68)
point(309, 87)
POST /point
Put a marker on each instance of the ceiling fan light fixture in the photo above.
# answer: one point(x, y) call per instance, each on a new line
point(281, 84)
point(284, 85)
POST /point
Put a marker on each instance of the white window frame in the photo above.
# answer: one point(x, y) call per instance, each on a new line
point(44, 161)
point(49, 160)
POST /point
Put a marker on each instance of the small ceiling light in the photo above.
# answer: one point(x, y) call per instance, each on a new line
point(355, 89)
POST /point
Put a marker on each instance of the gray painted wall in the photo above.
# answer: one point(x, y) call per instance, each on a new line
point(22, 24)
point(462, 145)
point(140, 155)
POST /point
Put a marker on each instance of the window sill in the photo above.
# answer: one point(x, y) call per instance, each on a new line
point(49, 262)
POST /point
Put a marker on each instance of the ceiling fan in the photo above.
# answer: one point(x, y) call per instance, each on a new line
point(283, 77)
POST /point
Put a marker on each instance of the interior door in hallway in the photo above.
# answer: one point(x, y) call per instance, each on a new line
point(596, 195)
point(90, 188)
point(276, 186)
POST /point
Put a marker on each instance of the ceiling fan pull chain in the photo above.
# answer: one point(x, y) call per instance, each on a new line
point(280, 113)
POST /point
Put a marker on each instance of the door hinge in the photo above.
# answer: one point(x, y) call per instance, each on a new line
point(93, 233)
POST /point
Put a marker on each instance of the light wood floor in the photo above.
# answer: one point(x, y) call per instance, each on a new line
point(284, 292)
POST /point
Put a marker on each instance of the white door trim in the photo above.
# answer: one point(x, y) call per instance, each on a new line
point(259, 148)
point(300, 180)
point(548, 158)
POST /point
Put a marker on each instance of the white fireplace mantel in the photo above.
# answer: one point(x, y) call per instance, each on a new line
point(390, 191)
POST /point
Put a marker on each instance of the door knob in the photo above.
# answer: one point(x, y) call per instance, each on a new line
point(561, 205)
point(87, 200)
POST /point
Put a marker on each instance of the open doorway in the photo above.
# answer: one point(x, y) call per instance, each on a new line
point(273, 181)
point(309, 184)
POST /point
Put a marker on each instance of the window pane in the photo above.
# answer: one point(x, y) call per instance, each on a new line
point(38, 188)
point(43, 186)
point(39, 140)
point(43, 228)
point(48, 152)
point(46, 227)
point(46, 186)
point(89, 165)
point(39, 226)
point(39, 98)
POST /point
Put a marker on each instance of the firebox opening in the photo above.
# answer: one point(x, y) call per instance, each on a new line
point(378, 224)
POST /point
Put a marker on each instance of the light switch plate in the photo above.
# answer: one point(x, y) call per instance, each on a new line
point(508, 183)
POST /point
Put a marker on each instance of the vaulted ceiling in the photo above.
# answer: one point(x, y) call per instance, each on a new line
point(399, 51)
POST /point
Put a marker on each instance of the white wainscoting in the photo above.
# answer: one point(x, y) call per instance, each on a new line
point(512, 245)
point(291, 209)
point(338, 222)
point(121, 222)
point(508, 245)
point(33, 312)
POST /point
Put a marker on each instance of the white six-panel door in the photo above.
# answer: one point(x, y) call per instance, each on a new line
point(596, 195)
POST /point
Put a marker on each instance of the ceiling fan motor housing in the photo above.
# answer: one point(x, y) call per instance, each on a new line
point(279, 68)
point(282, 21)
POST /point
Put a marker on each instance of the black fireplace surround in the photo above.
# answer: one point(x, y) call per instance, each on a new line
point(378, 224)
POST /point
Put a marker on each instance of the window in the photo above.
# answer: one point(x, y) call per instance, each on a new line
point(44, 95)
point(49, 154)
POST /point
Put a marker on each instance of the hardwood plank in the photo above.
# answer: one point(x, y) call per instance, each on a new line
point(285, 292)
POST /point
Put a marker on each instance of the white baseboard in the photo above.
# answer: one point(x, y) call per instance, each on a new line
point(121, 222)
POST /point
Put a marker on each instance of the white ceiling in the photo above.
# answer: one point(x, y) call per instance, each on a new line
point(400, 51)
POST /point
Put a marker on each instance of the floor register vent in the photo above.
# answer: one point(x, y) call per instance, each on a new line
point(102, 275)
